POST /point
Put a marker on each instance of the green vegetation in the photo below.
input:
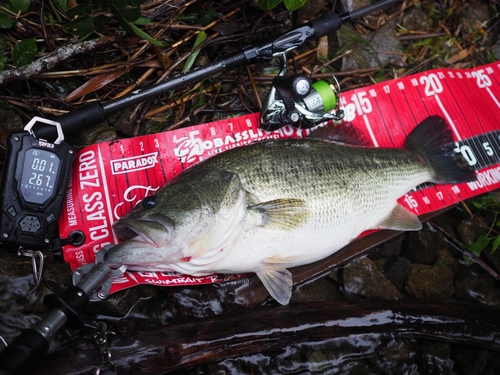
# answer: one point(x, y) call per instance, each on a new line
point(291, 5)
point(92, 17)
point(490, 205)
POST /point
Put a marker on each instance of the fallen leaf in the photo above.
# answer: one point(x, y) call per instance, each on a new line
point(96, 83)
point(323, 49)
point(463, 54)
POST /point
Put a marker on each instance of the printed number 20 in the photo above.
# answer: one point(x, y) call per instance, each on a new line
point(432, 84)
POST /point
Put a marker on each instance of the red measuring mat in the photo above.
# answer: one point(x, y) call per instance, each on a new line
point(108, 179)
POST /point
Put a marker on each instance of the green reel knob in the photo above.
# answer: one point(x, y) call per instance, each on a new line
point(322, 98)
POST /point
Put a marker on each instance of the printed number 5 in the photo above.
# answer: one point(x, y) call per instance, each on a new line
point(488, 149)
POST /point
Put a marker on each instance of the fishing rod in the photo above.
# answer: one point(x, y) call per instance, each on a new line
point(260, 51)
point(38, 164)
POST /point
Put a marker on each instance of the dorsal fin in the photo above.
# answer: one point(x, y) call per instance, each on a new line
point(344, 133)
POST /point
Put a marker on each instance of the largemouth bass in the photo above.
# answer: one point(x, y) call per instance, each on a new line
point(269, 206)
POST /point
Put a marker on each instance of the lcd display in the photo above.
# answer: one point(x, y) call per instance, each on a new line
point(40, 170)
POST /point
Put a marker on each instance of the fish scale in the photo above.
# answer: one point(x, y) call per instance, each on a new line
point(277, 204)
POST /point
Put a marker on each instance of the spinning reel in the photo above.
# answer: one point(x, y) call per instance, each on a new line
point(295, 100)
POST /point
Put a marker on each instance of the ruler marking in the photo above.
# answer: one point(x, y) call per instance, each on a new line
point(106, 193)
point(369, 127)
point(448, 117)
point(493, 97)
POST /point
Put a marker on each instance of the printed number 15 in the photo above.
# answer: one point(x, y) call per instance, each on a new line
point(362, 103)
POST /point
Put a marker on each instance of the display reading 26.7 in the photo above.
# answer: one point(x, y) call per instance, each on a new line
point(39, 173)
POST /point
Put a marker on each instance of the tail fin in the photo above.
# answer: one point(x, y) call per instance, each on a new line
point(432, 141)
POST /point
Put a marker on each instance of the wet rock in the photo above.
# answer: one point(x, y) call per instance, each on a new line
point(477, 15)
point(11, 121)
point(433, 282)
point(12, 265)
point(140, 302)
point(20, 297)
point(199, 301)
point(361, 278)
point(386, 258)
point(436, 358)
point(388, 249)
point(323, 289)
point(335, 355)
point(58, 277)
point(379, 49)
point(348, 6)
point(448, 222)
point(121, 122)
point(473, 285)
point(420, 246)
point(335, 275)
point(397, 357)
point(444, 254)
point(472, 361)
point(469, 229)
point(95, 134)
point(359, 368)
point(397, 271)
point(492, 258)
point(493, 366)
point(413, 19)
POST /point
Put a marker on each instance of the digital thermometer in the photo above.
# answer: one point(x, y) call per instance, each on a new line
point(34, 183)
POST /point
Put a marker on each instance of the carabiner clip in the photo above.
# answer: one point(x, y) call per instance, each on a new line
point(101, 339)
point(37, 268)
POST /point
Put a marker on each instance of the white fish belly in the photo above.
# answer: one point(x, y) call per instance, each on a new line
point(332, 225)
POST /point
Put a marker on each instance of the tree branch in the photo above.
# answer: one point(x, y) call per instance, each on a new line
point(56, 57)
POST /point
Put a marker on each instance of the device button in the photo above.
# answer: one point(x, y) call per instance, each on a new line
point(51, 218)
point(30, 224)
point(12, 211)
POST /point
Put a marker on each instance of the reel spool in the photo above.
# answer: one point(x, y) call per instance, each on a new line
point(295, 100)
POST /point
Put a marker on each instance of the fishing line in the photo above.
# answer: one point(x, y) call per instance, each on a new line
point(3, 342)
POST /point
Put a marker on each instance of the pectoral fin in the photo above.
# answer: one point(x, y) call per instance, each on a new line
point(401, 219)
point(278, 282)
point(282, 213)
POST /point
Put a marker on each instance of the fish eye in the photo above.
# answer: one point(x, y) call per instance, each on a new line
point(148, 202)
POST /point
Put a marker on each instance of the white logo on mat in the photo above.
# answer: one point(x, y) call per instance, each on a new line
point(134, 163)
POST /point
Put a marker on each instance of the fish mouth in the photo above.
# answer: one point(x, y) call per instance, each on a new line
point(154, 229)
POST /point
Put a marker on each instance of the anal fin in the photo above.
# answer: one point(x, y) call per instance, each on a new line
point(278, 282)
point(401, 219)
